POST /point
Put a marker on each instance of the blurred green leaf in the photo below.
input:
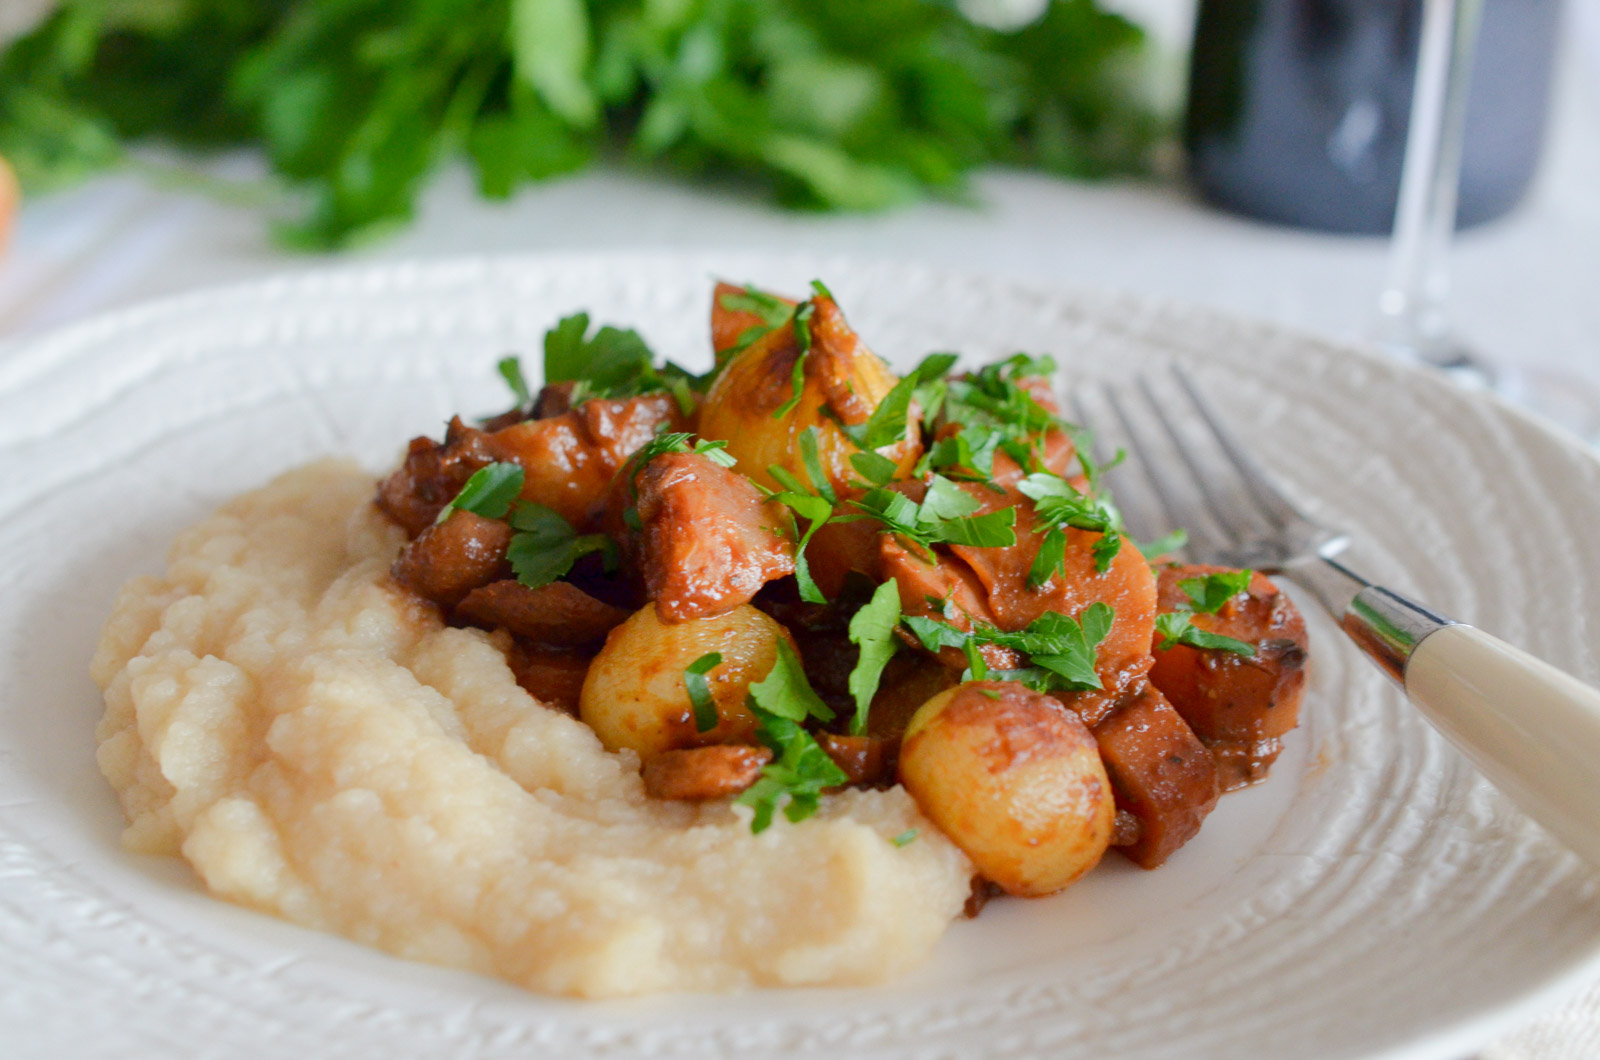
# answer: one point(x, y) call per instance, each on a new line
point(831, 104)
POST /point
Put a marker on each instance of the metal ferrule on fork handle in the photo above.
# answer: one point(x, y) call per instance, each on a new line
point(1388, 627)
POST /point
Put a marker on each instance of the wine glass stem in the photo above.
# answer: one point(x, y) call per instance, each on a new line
point(1412, 306)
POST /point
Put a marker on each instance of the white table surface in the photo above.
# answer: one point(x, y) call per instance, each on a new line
point(1527, 288)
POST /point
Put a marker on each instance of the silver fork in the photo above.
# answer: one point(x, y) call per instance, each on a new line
point(1532, 729)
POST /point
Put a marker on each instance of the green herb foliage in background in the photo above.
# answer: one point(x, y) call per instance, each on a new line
point(835, 104)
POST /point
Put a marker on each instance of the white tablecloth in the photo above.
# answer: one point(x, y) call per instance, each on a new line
point(1527, 288)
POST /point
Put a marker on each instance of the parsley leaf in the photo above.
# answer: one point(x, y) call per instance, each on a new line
point(872, 630)
point(545, 546)
point(510, 369)
point(796, 779)
point(816, 511)
point(876, 468)
point(797, 377)
point(1058, 505)
point(699, 689)
point(770, 308)
point(1176, 627)
point(994, 397)
point(610, 359)
point(1062, 650)
point(782, 702)
point(889, 422)
point(489, 492)
point(1211, 593)
point(785, 691)
point(812, 460)
point(943, 517)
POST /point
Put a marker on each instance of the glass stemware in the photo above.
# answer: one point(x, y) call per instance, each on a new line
point(1413, 321)
point(1413, 317)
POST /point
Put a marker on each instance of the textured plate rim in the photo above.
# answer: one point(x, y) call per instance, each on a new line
point(19, 354)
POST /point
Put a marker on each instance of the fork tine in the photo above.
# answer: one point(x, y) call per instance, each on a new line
point(1201, 529)
point(1212, 492)
point(1272, 504)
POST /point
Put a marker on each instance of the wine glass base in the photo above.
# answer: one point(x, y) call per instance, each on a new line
point(1568, 400)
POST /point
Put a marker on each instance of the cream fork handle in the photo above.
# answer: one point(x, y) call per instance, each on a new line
point(1533, 730)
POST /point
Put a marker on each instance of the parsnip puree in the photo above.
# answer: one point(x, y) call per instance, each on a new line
point(318, 744)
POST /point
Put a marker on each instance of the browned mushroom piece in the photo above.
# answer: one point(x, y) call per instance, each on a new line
point(866, 761)
point(432, 474)
point(450, 559)
point(555, 614)
point(568, 461)
point(551, 675)
point(697, 774)
point(709, 539)
point(1240, 706)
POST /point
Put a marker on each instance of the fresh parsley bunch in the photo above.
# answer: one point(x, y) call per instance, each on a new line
point(834, 104)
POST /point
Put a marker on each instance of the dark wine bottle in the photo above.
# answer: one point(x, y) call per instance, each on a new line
point(1298, 108)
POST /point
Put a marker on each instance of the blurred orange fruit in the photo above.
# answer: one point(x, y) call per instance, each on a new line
point(10, 198)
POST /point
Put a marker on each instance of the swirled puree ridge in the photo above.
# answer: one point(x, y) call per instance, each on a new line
point(319, 744)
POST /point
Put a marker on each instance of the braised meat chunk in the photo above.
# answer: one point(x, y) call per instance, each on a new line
point(569, 460)
point(1163, 776)
point(450, 559)
point(709, 539)
point(557, 614)
point(1239, 705)
point(697, 774)
point(432, 474)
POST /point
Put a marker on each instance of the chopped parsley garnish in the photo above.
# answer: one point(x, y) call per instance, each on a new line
point(993, 397)
point(609, 359)
point(489, 492)
point(770, 308)
point(1207, 595)
point(811, 459)
point(1061, 650)
point(816, 511)
point(889, 421)
point(905, 837)
point(932, 385)
point(1210, 594)
point(797, 376)
point(1176, 627)
point(544, 546)
point(813, 504)
point(944, 517)
point(872, 629)
point(785, 691)
point(969, 453)
point(782, 702)
point(510, 369)
point(1058, 507)
point(612, 363)
point(660, 445)
point(876, 468)
point(699, 689)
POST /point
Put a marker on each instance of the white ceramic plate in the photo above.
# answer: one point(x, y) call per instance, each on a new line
point(1373, 897)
